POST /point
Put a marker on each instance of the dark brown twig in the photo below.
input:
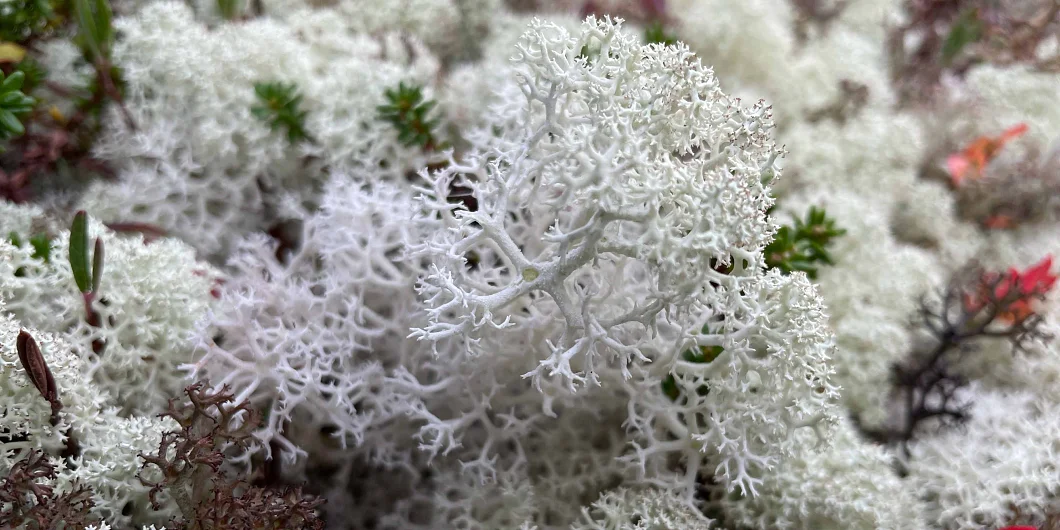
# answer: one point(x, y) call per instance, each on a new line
point(974, 305)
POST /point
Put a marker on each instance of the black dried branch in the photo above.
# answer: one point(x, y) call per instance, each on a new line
point(974, 305)
point(190, 463)
point(26, 503)
point(21, 481)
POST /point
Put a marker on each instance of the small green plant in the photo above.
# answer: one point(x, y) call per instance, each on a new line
point(42, 247)
point(22, 19)
point(804, 246)
point(278, 107)
point(87, 275)
point(407, 111)
point(95, 33)
point(34, 72)
point(41, 243)
point(13, 104)
point(655, 32)
point(966, 30)
point(95, 38)
point(87, 270)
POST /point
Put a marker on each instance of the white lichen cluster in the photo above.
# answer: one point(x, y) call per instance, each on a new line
point(560, 315)
point(151, 296)
point(607, 191)
point(108, 462)
point(904, 238)
point(199, 164)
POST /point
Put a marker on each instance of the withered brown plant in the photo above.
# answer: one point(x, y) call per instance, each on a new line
point(190, 460)
point(26, 502)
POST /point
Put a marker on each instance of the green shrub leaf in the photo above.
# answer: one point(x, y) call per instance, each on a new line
point(79, 252)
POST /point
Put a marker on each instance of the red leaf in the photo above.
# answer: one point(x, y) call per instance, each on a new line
point(1033, 282)
point(973, 159)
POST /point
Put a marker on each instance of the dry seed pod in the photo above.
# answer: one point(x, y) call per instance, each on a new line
point(33, 361)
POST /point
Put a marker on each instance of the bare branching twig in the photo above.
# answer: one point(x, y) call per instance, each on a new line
point(974, 305)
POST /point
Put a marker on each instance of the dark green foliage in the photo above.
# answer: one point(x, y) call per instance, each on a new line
point(79, 260)
point(13, 103)
point(655, 32)
point(54, 140)
point(804, 246)
point(22, 19)
point(669, 387)
point(95, 33)
point(87, 271)
point(279, 108)
point(97, 265)
point(34, 72)
point(87, 277)
point(41, 243)
point(965, 30)
point(407, 111)
point(42, 247)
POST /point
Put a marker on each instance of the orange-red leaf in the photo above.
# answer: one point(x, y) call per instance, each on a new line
point(973, 159)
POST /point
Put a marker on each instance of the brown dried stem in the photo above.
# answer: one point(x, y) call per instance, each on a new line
point(190, 461)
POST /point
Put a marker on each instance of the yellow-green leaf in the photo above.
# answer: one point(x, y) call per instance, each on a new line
point(11, 52)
